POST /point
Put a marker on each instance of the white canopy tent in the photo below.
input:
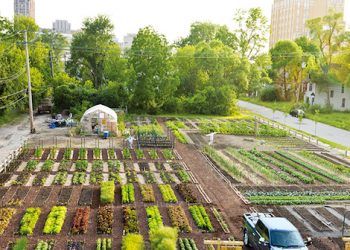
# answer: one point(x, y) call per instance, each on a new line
point(99, 117)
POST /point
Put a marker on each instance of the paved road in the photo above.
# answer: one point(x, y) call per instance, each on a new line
point(325, 131)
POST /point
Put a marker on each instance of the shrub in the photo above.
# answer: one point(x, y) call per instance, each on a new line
point(133, 242)
point(29, 221)
point(163, 238)
point(107, 192)
point(269, 94)
point(21, 244)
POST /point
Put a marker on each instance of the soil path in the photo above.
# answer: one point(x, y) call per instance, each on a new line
point(221, 195)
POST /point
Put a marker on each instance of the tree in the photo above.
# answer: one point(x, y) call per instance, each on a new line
point(206, 32)
point(251, 32)
point(90, 48)
point(155, 80)
point(286, 61)
point(328, 33)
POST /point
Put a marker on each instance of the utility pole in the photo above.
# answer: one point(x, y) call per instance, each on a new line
point(31, 117)
point(51, 63)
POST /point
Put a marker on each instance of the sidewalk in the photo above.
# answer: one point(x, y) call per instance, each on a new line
point(325, 131)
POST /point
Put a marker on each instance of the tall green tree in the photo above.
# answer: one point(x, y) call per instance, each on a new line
point(286, 62)
point(90, 48)
point(206, 32)
point(155, 81)
point(251, 32)
point(329, 34)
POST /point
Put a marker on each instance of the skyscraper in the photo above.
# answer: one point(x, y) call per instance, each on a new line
point(61, 26)
point(288, 17)
point(25, 8)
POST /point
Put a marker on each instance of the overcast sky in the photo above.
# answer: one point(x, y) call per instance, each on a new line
point(171, 18)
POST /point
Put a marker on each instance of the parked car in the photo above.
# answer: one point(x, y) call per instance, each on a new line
point(297, 112)
point(263, 231)
point(45, 106)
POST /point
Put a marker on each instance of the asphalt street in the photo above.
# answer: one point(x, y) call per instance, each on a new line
point(325, 131)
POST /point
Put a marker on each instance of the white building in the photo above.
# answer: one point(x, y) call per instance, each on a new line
point(127, 42)
point(25, 8)
point(339, 96)
point(61, 26)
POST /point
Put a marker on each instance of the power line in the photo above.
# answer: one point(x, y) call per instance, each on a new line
point(3, 97)
point(13, 77)
point(13, 103)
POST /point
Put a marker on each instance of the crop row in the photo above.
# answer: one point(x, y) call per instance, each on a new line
point(29, 221)
point(5, 215)
point(187, 244)
point(104, 244)
point(201, 217)
point(130, 220)
point(187, 193)
point(154, 218)
point(179, 219)
point(167, 193)
point(128, 193)
point(327, 164)
point(147, 193)
point(105, 220)
point(284, 167)
point(312, 168)
point(241, 128)
point(81, 221)
point(267, 167)
point(241, 156)
point(55, 220)
point(175, 126)
point(107, 192)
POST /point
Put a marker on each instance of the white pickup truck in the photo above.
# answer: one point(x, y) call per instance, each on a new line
point(264, 231)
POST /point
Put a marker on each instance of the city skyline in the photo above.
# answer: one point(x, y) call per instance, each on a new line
point(162, 16)
point(289, 17)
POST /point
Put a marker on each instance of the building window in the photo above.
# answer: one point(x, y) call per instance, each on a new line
point(310, 86)
point(343, 103)
point(332, 93)
point(342, 88)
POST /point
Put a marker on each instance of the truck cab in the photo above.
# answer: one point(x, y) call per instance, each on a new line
point(263, 231)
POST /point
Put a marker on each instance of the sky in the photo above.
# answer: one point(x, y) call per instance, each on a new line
point(171, 18)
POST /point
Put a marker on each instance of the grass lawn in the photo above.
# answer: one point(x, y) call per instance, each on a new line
point(336, 119)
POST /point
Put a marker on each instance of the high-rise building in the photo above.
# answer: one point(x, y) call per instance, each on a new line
point(288, 17)
point(61, 26)
point(25, 8)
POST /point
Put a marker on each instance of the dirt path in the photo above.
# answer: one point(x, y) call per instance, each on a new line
point(218, 191)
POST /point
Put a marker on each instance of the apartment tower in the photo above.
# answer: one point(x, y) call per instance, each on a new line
point(288, 17)
point(25, 8)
